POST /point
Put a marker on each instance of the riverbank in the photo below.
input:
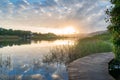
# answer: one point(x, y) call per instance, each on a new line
point(90, 45)
point(92, 67)
point(10, 37)
point(83, 47)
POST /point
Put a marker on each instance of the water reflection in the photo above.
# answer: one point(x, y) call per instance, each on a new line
point(11, 43)
point(36, 70)
point(28, 41)
point(23, 60)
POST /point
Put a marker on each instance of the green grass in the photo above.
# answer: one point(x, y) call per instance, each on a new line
point(91, 45)
point(86, 46)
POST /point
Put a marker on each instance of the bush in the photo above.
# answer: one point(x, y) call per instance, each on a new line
point(114, 27)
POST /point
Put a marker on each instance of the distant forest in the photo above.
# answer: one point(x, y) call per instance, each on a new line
point(25, 34)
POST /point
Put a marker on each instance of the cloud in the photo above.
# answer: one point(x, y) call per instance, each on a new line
point(83, 14)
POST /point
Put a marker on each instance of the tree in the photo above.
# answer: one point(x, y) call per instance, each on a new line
point(114, 27)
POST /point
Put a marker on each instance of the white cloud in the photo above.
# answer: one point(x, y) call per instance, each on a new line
point(55, 13)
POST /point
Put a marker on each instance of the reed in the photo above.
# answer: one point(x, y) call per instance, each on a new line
point(83, 47)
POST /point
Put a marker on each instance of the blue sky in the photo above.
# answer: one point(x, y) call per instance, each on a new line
point(53, 15)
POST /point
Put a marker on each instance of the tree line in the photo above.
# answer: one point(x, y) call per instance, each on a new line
point(26, 34)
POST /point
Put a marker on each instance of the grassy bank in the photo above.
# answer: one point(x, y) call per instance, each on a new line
point(89, 45)
point(43, 37)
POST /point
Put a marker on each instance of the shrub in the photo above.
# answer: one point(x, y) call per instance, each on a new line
point(114, 27)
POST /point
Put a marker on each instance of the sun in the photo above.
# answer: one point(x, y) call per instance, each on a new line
point(66, 30)
point(69, 30)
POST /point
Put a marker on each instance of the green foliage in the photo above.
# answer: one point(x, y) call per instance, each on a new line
point(19, 33)
point(96, 44)
point(44, 36)
point(104, 37)
point(117, 2)
point(10, 34)
point(9, 42)
point(86, 46)
point(114, 28)
point(116, 50)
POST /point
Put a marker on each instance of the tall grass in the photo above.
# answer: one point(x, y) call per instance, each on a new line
point(83, 47)
point(59, 54)
point(91, 46)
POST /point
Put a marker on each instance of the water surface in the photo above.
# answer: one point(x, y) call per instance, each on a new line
point(22, 60)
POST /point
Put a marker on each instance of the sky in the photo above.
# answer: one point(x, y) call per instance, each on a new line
point(55, 16)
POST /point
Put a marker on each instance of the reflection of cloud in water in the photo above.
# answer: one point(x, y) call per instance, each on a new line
point(19, 77)
point(25, 62)
point(56, 77)
point(33, 77)
point(34, 71)
point(37, 77)
point(60, 73)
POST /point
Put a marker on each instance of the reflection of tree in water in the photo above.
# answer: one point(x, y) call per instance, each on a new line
point(5, 65)
point(13, 42)
point(19, 42)
point(36, 70)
